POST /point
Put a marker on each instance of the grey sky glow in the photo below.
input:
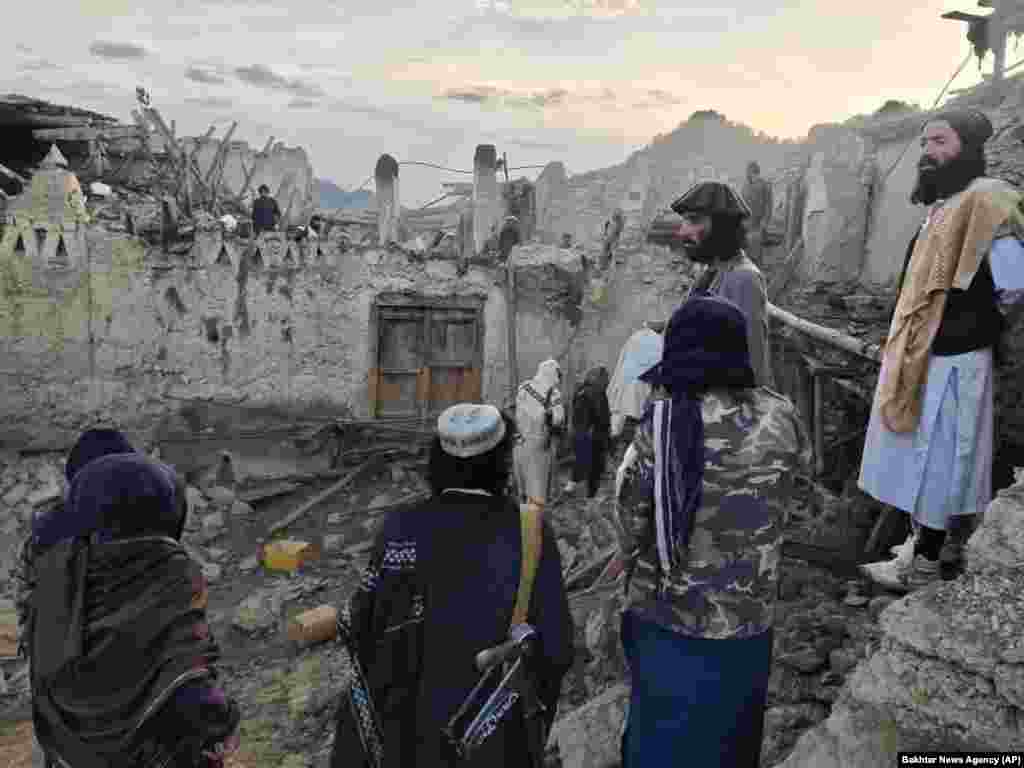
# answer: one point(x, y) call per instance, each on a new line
point(581, 81)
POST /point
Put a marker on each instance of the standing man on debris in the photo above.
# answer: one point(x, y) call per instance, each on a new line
point(712, 234)
point(928, 449)
point(702, 499)
point(758, 194)
point(591, 426)
point(444, 578)
point(265, 212)
point(539, 415)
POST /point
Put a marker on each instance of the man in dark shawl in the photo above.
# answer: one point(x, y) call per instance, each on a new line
point(712, 233)
point(591, 424)
point(702, 498)
point(121, 654)
point(440, 587)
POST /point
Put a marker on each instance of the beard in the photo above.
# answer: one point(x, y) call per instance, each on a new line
point(726, 240)
point(936, 182)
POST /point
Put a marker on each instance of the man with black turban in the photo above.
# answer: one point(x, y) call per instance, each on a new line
point(712, 233)
point(928, 450)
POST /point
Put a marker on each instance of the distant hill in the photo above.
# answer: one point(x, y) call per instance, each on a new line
point(333, 196)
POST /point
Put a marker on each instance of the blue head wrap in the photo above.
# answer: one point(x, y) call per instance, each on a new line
point(705, 348)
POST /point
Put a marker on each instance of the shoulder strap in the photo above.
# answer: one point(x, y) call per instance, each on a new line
point(532, 539)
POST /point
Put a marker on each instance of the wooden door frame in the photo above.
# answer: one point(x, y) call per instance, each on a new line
point(403, 300)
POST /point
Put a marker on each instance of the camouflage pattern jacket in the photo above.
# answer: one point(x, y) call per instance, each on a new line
point(727, 583)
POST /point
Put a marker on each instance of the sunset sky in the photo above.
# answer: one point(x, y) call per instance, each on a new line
point(581, 81)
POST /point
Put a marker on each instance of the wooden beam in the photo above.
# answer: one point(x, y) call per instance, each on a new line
point(367, 465)
point(12, 175)
point(221, 150)
point(829, 336)
point(257, 163)
point(288, 210)
point(85, 133)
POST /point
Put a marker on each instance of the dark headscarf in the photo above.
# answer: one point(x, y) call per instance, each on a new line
point(59, 523)
point(705, 348)
point(974, 129)
point(127, 495)
point(93, 444)
point(972, 126)
point(116, 626)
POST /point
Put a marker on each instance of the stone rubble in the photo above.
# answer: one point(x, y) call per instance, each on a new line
point(947, 672)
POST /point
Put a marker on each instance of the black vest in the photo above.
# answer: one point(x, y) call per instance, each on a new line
point(971, 319)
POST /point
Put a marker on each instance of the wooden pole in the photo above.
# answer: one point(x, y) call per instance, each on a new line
point(288, 210)
point(258, 163)
point(326, 494)
point(830, 336)
point(212, 170)
point(510, 320)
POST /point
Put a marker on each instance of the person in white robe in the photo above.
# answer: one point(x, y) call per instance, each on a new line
point(539, 410)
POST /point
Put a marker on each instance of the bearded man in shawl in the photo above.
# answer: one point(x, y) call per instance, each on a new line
point(712, 233)
point(539, 412)
point(122, 660)
point(702, 497)
point(591, 424)
point(440, 587)
point(928, 449)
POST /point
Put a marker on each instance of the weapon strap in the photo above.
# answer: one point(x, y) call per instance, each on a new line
point(531, 527)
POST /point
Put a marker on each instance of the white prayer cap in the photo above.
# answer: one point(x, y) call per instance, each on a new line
point(469, 429)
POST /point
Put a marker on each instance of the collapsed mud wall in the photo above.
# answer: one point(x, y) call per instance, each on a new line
point(286, 170)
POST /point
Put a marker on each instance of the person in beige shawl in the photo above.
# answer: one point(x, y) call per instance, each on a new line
point(928, 449)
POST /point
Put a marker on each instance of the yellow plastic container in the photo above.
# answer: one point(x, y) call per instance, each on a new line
point(287, 554)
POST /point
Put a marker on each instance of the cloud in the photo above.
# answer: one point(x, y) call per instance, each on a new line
point(488, 94)
point(301, 104)
point(109, 50)
point(262, 77)
point(541, 146)
point(213, 102)
point(562, 9)
point(202, 76)
point(38, 66)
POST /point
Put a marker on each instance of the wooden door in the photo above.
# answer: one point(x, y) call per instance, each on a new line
point(401, 361)
point(453, 357)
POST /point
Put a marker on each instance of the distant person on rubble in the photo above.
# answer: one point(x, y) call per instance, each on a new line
point(757, 192)
point(265, 212)
point(540, 417)
point(702, 497)
point(591, 426)
point(442, 583)
point(121, 654)
point(929, 445)
point(712, 234)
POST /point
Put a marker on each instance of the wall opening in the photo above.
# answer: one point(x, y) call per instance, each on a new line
point(428, 354)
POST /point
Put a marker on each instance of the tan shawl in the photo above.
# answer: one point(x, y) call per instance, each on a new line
point(947, 255)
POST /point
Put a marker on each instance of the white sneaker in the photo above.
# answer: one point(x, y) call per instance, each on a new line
point(905, 552)
point(887, 573)
point(570, 487)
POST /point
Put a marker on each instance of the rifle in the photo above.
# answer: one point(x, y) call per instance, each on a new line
point(478, 717)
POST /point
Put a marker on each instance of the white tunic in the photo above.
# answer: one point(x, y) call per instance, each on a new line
point(944, 467)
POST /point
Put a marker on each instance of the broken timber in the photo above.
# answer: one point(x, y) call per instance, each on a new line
point(347, 480)
point(829, 336)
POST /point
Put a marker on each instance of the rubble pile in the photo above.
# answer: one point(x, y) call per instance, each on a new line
point(824, 628)
point(28, 486)
point(947, 671)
